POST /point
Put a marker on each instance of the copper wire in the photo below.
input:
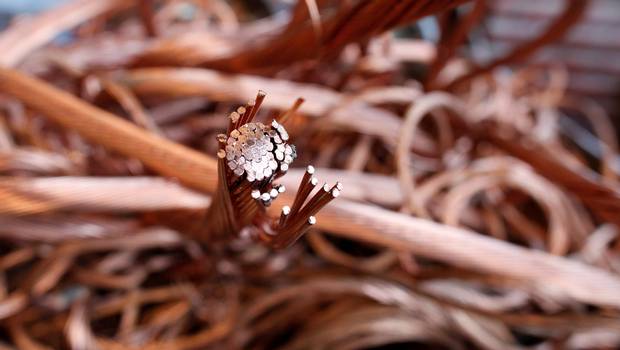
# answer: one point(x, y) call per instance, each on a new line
point(243, 192)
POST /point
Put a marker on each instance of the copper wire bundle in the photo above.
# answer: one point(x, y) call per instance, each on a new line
point(251, 156)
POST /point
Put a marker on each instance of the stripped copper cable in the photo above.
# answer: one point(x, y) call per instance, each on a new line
point(251, 157)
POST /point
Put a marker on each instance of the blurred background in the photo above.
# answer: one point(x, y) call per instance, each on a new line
point(589, 51)
point(477, 143)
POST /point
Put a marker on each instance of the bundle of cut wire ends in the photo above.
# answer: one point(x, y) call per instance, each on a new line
point(251, 156)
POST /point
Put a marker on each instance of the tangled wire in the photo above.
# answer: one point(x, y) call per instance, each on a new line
point(473, 216)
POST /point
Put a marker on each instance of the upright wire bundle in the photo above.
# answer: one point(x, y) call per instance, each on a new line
point(251, 156)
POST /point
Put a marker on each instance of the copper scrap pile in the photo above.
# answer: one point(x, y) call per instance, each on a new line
point(469, 218)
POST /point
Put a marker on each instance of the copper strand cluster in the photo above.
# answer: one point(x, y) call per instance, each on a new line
point(251, 156)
